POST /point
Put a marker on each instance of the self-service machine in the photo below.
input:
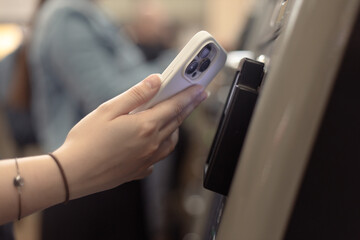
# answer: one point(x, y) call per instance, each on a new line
point(297, 175)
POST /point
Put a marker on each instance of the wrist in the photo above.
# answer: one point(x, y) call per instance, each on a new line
point(43, 186)
point(63, 176)
point(74, 170)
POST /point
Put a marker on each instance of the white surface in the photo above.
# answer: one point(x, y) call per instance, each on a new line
point(234, 57)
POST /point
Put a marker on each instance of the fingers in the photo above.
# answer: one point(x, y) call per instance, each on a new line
point(134, 97)
point(179, 109)
point(144, 173)
point(171, 113)
point(166, 147)
point(178, 120)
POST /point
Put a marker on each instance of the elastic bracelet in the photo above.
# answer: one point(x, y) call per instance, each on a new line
point(67, 194)
point(18, 183)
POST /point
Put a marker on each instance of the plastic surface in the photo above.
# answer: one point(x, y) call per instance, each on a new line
point(174, 77)
point(232, 129)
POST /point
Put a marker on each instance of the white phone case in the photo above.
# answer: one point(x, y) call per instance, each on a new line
point(206, 58)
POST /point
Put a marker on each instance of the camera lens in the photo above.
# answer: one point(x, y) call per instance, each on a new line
point(205, 51)
point(192, 67)
point(204, 64)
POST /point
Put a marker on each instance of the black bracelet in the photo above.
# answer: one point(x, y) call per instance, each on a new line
point(18, 183)
point(67, 194)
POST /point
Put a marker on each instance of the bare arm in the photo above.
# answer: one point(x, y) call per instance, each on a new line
point(43, 186)
point(107, 148)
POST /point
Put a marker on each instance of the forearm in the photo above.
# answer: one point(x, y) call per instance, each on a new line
point(105, 149)
point(43, 186)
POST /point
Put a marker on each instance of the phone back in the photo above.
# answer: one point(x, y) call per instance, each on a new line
point(197, 63)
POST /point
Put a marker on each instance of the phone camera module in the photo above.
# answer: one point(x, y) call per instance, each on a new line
point(192, 67)
point(204, 64)
point(205, 51)
point(201, 62)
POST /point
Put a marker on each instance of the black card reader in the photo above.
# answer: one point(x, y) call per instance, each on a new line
point(230, 135)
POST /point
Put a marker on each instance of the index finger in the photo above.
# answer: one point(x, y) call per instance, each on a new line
point(134, 97)
point(175, 106)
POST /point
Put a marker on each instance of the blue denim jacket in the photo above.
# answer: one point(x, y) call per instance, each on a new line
point(78, 60)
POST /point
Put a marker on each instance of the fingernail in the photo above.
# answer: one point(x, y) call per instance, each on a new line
point(204, 95)
point(208, 93)
point(153, 81)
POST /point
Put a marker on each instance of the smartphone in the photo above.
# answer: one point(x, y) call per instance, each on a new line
point(231, 132)
point(197, 63)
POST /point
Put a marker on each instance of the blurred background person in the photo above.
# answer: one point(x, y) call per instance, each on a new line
point(78, 54)
point(152, 29)
point(79, 58)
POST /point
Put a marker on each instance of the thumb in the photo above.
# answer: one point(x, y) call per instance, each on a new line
point(136, 95)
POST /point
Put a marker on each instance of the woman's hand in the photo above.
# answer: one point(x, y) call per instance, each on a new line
point(110, 146)
point(105, 149)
